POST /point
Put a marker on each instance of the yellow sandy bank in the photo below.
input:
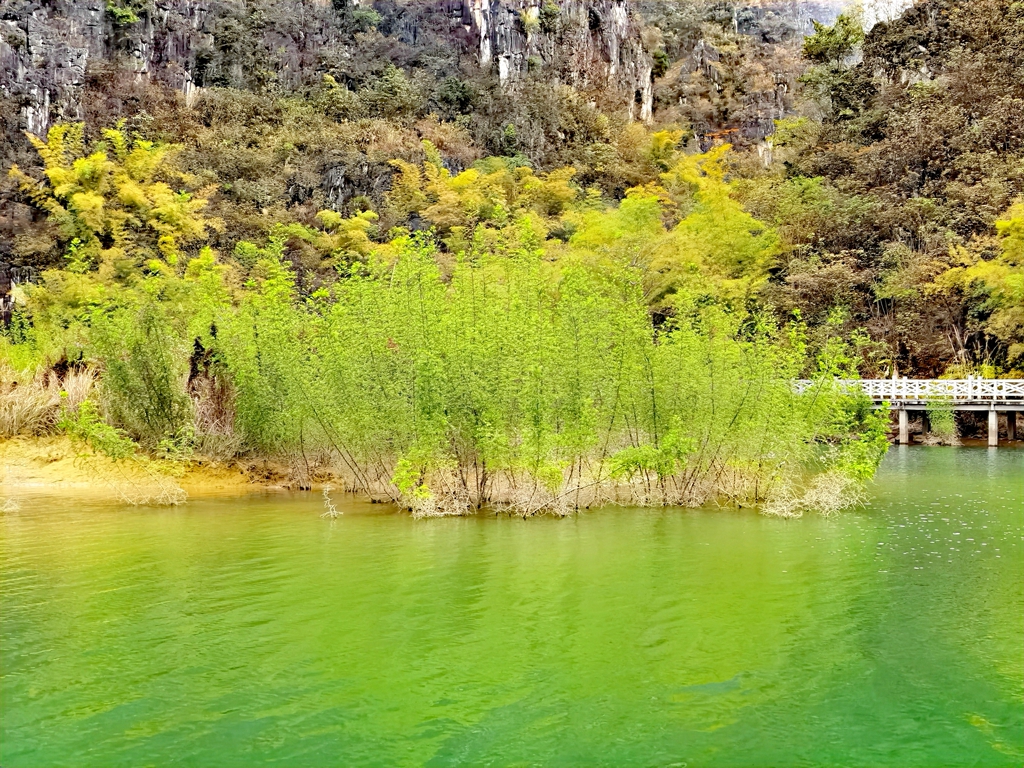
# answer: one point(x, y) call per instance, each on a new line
point(55, 465)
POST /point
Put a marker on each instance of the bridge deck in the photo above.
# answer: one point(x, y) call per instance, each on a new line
point(960, 394)
point(971, 394)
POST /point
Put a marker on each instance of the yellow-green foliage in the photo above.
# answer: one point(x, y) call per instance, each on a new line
point(489, 192)
point(337, 242)
point(689, 233)
point(636, 155)
point(996, 279)
point(716, 237)
point(118, 205)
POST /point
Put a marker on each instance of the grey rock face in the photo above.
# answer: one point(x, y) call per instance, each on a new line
point(42, 61)
point(590, 44)
point(47, 46)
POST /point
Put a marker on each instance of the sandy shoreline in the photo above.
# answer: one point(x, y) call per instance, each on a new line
point(53, 465)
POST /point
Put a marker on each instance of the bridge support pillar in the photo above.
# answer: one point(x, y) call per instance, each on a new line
point(926, 425)
point(904, 427)
point(993, 428)
point(1011, 425)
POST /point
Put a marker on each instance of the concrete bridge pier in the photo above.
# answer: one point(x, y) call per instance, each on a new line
point(904, 427)
point(993, 428)
point(1011, 425)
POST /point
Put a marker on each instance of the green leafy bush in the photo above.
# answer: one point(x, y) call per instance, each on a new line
point(144, 371)
point(85, 424)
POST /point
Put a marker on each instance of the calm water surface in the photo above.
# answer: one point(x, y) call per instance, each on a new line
point(247, 633)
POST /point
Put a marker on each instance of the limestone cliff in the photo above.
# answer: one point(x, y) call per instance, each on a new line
point(49, 47)
point(589, 43)
point(46, 49)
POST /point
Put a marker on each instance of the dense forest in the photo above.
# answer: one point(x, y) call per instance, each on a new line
point(513, 252)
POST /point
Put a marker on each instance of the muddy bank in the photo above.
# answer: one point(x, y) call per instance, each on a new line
point(54, 465)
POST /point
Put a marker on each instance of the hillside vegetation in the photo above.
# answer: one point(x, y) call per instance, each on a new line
point(449, 291)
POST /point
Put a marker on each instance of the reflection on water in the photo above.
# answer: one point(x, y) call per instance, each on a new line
point(255, 632)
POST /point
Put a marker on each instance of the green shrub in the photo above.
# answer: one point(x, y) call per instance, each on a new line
point(942, 424)
point(144, 372)
point(122, 16)
point(513, 380)
point(548, 17)
point(85, 424)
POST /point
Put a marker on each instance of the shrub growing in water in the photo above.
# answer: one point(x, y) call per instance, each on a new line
point(531, 385)
point(942, 425)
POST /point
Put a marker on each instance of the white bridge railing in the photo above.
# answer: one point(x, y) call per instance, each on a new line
point(923, 391)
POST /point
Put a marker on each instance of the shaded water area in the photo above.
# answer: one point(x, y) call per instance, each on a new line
point(254, 632)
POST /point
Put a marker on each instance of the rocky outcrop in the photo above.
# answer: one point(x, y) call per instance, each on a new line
point(588, 44)
point(43, 57)
point(737, 64)
point(48, 47)
point(777, 22)
point(774, 21)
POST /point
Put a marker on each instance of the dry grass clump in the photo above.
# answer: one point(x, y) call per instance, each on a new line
point(525, 496)
point(28, 409)
point(528, 500)
point(827, 494)
point(30, 404)
point(77, 385)
point(213, 407)
point(447, 497)
point(446, 493)
point(690, 488)
point(159, 491)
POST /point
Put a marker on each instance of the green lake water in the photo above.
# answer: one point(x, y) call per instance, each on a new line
point(254, 632)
